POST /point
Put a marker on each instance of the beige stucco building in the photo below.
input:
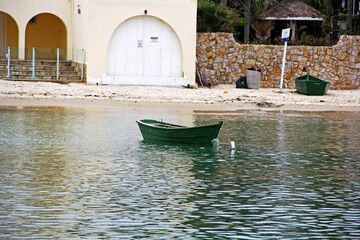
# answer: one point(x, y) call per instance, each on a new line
point(145, 42)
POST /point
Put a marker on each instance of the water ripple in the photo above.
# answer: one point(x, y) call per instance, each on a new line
point(83, 175)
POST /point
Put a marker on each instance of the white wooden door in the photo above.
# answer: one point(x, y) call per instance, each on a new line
point(144, 48)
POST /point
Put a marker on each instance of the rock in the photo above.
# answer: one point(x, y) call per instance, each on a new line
point(264, 104)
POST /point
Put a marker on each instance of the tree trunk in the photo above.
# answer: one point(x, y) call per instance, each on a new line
point(247, 21)
point(336, 5)
point(328, 15)
point(349, 14)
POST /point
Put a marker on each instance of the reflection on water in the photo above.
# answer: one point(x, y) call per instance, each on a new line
point(88, 174)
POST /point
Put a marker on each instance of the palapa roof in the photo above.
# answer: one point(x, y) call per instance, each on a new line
point(292, 10)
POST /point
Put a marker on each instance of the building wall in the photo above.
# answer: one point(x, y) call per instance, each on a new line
point(8, 34)
point(23, 10)
point(12, 32)
point(3, 24)
point(90, 24)
point(223, 61)
point(46, 34)
point(104, 16)
point(81, 20)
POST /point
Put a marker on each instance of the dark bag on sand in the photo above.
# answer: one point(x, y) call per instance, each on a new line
point(241, 83)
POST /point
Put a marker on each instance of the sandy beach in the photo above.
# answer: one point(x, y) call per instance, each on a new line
point(220, 98)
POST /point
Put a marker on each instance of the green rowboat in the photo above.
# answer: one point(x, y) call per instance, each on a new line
point(153, 130)
point(310, 85)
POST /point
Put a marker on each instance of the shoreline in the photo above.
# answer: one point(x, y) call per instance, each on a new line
point(10, 102)
point(221, 99)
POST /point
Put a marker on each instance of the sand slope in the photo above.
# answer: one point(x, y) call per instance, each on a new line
point(223, 97)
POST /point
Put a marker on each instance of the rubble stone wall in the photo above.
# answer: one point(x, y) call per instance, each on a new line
point(221, 60)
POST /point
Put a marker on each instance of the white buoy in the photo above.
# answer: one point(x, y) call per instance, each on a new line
point(232, 143)
point(215, 142)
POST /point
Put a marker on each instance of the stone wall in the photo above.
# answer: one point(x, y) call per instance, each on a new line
point(221, 60)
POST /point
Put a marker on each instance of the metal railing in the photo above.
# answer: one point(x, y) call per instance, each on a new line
point(41, 54)
point(33, 64)
point(8, 55)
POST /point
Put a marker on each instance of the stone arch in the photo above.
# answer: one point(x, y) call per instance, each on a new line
point(9, 35)
point(45, 32)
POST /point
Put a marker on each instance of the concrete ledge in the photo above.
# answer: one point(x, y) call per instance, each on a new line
point(145, 81)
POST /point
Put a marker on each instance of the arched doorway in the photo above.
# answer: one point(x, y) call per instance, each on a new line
point(9, 35)
point(144, 50)
point(45, 32)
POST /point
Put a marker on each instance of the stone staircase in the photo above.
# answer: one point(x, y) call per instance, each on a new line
point(45, 71)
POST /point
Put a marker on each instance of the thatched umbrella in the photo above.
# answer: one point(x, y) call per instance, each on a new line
point(292, 10)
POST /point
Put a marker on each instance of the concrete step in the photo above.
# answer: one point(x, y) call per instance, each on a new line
point(42, 72)
point(62, 81)
point(45, 77)
point(37, 68)
point(45, 70)
point(37, 62)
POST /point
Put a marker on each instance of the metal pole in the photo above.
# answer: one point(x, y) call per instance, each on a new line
point(8, 57)
point(33, 64)
point(283, 66)
point(57, 64)
point(82, 63)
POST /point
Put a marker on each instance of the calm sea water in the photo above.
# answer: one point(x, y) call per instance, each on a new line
point(86, 174)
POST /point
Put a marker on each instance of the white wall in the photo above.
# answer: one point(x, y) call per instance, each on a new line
point(106, 15)
point(23, 10)
point(81, 28)
point(93, 27)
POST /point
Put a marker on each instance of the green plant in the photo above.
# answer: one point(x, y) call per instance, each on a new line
point(210, 17)
point(342, 16)
point(213, 17)
point(300, 29)
point(325, 27)
point(309, 40)
point(262, 28)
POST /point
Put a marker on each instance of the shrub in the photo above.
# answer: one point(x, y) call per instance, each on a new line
point(213, 17)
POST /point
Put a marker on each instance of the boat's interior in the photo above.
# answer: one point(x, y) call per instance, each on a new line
point(167, 125)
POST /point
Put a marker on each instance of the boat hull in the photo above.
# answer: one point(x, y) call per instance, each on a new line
point(153, 130)
point(310, 85)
